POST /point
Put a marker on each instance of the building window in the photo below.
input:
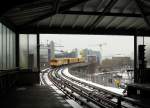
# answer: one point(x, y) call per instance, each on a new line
point(28, 51)
point(7, 48)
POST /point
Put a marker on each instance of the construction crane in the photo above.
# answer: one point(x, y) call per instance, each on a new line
point(100, 45)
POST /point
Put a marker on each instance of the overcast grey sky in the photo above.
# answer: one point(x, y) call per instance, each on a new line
point(114, 45)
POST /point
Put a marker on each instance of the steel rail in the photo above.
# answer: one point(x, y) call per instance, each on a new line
point(110, 94)
point(68, 94)
point(100, 97)
point(96, 95)
point(79, 90)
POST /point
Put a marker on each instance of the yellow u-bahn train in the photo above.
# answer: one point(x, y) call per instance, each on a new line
point(63, 61)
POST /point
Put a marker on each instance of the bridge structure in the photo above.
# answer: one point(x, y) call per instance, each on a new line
point(22, 22)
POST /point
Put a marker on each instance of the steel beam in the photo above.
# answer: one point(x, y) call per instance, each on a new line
point(17, 49)
point(56, 6)
point(139, 5)
point(80, 30)
point(38, 52)
point(102, 14)
point(135, 59)
point(77, 17)
point(106, 9)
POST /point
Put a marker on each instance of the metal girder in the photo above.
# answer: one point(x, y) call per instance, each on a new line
point(74, 25)
point(104, 14)
point(106, 9)
point(80, 30)
point(110, 5)
point(135, 59)
point(17, 50)
point(56, 6)
point(127, 4)
point(62, 8)
point(38, 51)
point(100, 4)
point(139, 5)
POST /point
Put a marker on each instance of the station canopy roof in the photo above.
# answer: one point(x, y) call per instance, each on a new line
point(118, 17)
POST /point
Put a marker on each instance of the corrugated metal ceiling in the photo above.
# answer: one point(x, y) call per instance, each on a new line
point(85, 15)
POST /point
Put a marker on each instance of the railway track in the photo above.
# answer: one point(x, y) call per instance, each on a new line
point(89, 96)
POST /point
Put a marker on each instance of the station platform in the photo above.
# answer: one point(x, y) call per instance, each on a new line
point(33, 97)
